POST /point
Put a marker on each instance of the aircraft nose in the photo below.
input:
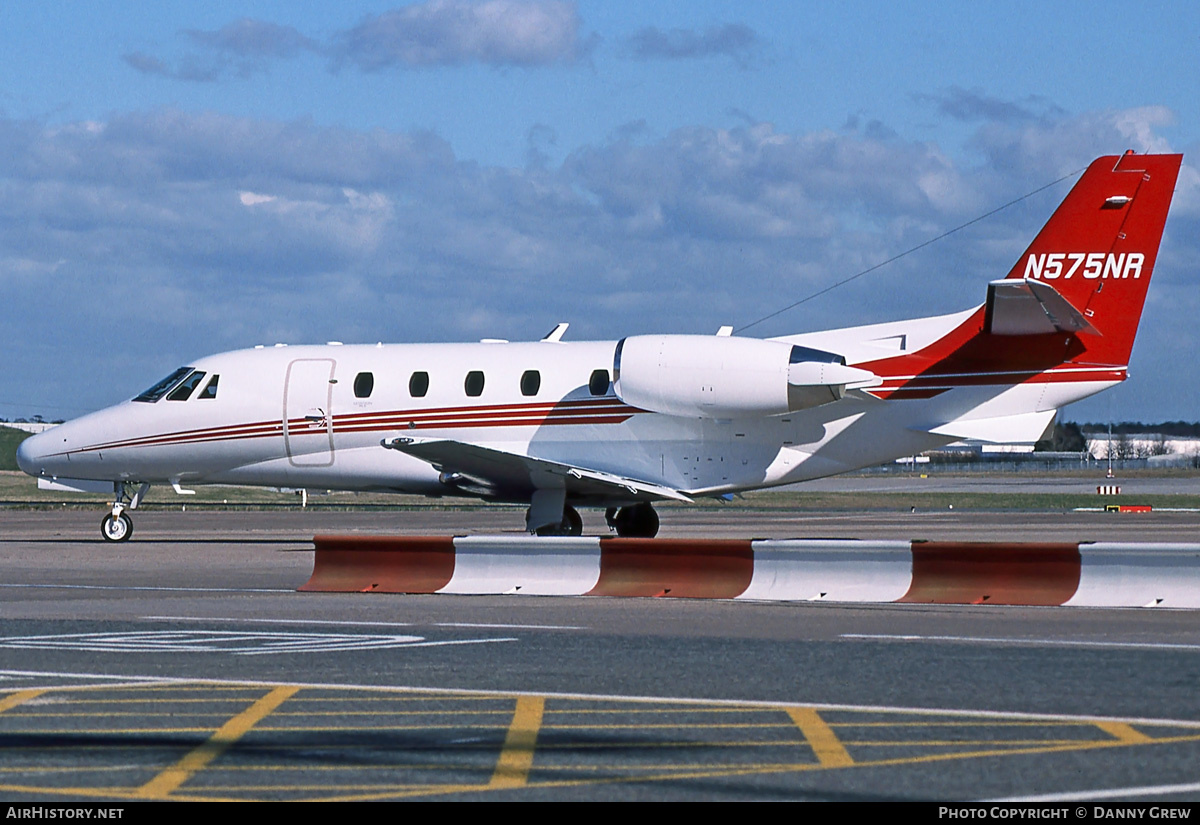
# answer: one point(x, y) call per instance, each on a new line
point(30, 453)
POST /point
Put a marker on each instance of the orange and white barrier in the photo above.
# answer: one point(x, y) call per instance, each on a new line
point(834, 570)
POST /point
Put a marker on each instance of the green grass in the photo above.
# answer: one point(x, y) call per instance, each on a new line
point(958, 501)
point(9, 439)
point(19, 490)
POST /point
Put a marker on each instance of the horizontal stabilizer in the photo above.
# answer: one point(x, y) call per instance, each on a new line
point(503, 471)
point(1023, 306)
point(1025, 428)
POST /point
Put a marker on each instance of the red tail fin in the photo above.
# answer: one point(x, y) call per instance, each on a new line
point(1099, 247)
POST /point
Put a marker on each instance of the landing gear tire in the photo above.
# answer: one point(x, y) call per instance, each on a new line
point(572, 525)
point(116, 528)
point(639, 521)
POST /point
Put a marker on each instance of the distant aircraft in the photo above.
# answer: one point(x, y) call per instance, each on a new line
point(622, 424)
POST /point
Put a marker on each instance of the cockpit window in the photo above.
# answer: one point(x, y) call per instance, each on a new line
point(164, 386)
point(210, 391)
point(186, 387)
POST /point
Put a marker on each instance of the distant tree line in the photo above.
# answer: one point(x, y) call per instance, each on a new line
point(1066, 437)
point(1123, 447)
point(1183, 429)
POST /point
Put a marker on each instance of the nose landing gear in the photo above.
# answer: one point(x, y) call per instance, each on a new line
point(117, 525)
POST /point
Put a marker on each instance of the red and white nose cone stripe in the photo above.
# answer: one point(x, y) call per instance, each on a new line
point(1102, 574)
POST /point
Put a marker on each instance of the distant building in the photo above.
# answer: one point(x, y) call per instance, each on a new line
point(28, 426)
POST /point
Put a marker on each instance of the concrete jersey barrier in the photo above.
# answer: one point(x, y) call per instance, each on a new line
point(834, 570)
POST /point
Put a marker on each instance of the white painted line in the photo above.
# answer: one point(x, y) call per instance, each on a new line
point(161, 589)
point(235, 643)
point(121, 681)
point(473, 625)
point(959, 713)
point(273, 621)
point(510, 626)
point(887, 637)
point(449, 642)
point(1107, 793)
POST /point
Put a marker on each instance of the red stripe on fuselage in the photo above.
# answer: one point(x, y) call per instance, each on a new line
point(592, 411)
point(598, 411)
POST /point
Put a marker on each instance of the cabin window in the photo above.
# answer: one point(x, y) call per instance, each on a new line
point(164, 386)
point(418, 385)
point(598, 383)
point(474, 383)
point(531, 382)
point(210, 390)
point(364, 382)
point(186, 387)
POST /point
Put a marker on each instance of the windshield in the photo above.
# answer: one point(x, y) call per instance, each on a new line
point(164, 386)
point(184, 391)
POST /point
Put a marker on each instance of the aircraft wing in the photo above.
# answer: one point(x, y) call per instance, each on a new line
point(1024, 306)
point(488, 469)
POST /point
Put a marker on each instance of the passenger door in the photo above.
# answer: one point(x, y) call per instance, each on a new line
point(308, 412)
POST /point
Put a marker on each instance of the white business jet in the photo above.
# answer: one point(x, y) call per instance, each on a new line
point(622, 424)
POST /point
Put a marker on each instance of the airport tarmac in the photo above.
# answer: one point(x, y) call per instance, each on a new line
point(184, 665)
point(931, 480)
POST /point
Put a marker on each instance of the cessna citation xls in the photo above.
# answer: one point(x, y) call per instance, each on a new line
point(623, 424)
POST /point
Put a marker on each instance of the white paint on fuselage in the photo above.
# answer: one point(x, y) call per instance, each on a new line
point(874, 341)
point(704, 456)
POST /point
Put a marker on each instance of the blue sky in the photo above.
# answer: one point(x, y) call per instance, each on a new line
point(181, 178)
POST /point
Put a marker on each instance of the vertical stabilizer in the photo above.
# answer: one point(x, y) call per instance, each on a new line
point(1099, 248)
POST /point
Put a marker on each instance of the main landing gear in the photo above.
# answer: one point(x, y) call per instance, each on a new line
point(571, 525)
point(639, 521)
point(542, 517)
point(117, 525)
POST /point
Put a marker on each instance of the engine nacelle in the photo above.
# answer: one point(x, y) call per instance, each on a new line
point(709, 376)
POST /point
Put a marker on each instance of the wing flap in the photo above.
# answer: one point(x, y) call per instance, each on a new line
point(504, 470)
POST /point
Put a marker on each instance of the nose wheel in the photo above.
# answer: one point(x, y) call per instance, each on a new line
point(117, 527)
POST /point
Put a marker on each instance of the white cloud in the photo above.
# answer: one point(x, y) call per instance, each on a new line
point(498, 33)
point(253, 199)
point(453, 32)
point(249, 38)
point(733, 40)
point(126, 233)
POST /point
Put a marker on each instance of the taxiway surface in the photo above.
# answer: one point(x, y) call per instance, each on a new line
point(183, 665)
